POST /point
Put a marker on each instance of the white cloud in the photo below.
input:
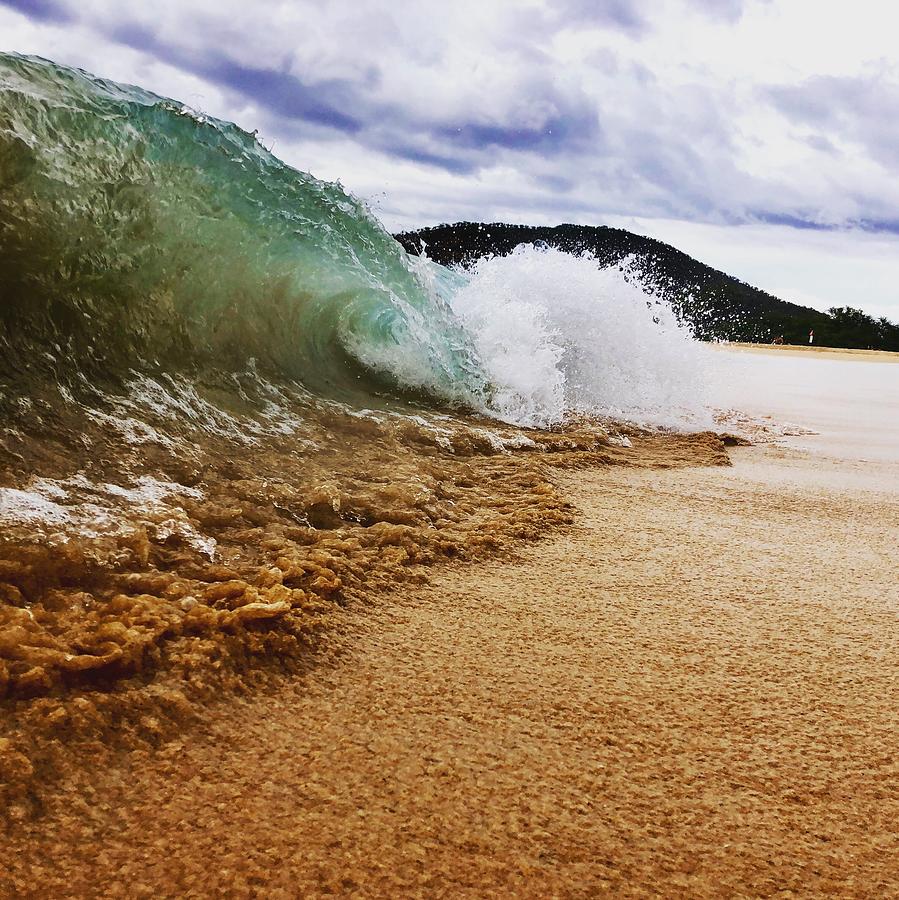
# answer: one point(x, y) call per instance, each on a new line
point(702, 111)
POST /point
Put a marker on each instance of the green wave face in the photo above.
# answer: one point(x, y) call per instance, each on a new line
point(134, 231)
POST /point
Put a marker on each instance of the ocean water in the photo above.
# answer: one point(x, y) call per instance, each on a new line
point(230, 402)
point(140, 235)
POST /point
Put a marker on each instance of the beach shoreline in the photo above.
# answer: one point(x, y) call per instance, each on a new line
point(689, 692)
point(176, 632)
point(814, 350)
point(686, 690)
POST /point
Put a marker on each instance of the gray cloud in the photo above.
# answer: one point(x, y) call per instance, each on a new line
point(42, 10)
point(486, 95)
point(864, 110)
point(726, 10)
point(328, 103)
point(457, 144)
point(618, 14)
point(821, 143)
point(636, 17)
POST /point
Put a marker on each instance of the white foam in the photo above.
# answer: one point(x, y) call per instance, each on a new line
point(559, 335)
point(47, 505)
point(30, 508)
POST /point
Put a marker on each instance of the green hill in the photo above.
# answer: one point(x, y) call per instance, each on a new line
point(717, 305)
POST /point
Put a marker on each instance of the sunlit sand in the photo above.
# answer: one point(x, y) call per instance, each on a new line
point(690, 693)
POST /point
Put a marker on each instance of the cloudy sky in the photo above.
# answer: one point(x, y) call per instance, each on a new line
point(761, 136)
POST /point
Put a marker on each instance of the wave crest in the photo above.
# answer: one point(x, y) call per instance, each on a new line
point(135, 231)
point(138, 235)
point(558, 335)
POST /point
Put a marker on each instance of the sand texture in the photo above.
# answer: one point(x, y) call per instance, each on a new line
point(119, 641)
point(693, 692)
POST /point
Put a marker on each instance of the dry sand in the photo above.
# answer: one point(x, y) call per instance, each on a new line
point(814, 350)
point(693, 692)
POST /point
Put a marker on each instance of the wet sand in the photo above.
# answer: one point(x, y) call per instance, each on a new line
point(847, 401)
point(692, 692)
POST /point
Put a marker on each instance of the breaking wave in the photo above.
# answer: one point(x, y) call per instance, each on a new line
point(230, 404)
point(139, 235)
point(558, 335)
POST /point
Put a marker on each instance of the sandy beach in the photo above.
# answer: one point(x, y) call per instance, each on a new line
point(884, 356)
point(691, 692)
point(396, 500)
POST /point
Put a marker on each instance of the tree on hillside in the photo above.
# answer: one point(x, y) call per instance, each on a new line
point(889, 334)
point(857, 329)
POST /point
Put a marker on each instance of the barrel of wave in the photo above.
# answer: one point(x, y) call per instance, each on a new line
point(137, 230)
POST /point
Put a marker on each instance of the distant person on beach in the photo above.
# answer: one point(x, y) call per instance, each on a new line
point(778, 340)
point(811, 336)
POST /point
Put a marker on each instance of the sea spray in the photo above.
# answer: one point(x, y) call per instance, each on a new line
point(142, 240)
point(558, 335)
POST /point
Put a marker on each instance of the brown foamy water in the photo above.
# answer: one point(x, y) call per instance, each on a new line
point(687, 690)
point(138, 582)
point(689, 693)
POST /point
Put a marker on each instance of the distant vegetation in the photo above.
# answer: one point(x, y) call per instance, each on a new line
point(718, 306)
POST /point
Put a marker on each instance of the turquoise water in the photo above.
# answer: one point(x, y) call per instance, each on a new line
point(139, 237)
point(135, 231)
